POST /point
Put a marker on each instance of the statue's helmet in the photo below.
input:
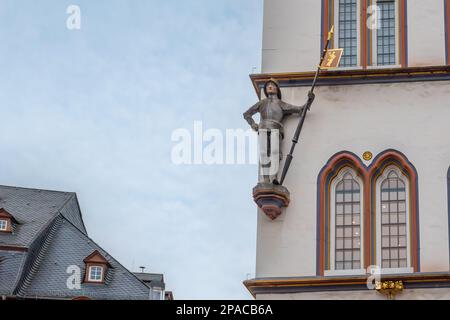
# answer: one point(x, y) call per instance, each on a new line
point(275, 82)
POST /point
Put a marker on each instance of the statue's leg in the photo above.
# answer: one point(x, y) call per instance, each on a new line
point(279, 146)
point(267, 176)
point(264, 161)
point(275, 155)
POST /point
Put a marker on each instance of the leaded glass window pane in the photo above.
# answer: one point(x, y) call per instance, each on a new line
point(386, 34)
point(348, 224)
point(348, 35)
point(95, 273)
point(393, 222)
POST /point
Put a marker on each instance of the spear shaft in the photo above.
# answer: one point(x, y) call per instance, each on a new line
point(296, 138)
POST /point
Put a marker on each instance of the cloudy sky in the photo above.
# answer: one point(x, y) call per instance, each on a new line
point(92, 111)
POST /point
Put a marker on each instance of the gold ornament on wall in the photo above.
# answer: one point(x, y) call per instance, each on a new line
point(368, 156)
point(390, 288)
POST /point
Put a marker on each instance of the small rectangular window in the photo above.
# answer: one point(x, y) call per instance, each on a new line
point(96, 274)
point(387, 33)
point(3, 225)
point(348, 32)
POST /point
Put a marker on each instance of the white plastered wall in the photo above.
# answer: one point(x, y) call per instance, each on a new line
point(291, 35)
point(361, 118)
point(426, 33)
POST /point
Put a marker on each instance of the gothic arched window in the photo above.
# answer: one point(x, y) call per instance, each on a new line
point(368, 215)
point(393, 237)
point(345, 221)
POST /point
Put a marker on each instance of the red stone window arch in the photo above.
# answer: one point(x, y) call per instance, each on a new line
point(389, 225)
point(337, 165)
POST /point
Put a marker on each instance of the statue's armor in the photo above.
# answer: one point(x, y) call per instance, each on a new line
point(272, 111)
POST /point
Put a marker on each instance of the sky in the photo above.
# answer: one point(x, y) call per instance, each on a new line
point(92, 111)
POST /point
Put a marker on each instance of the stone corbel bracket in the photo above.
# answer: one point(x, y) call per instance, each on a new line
point(271, 199)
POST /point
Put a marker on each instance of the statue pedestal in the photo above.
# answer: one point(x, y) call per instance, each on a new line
point(271, 199)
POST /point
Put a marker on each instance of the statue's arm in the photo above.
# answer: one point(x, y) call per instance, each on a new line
point(248, 116)
point(289, 109)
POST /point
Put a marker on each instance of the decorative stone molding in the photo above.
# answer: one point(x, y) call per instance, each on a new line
point(344, 283)
point(352, 77)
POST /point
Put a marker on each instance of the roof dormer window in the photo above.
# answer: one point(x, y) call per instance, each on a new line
point(6, 221)
point(96, 268)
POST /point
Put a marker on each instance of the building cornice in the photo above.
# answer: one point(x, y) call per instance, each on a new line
point(350, 283)
point(353, 77)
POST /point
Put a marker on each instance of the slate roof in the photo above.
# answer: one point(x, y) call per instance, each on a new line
point(33, 209)
point(50, 238)
point(10, 266)
point(154, 280)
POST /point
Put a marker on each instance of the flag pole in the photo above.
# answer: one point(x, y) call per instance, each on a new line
point(296, 138)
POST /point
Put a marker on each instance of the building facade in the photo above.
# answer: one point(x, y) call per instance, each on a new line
point(157, 285)
point(46, 253)
point(370, 181)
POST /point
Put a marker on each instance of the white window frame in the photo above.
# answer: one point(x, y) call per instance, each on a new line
point(5, 223)
point(335, 182)
point(358, 37)
point(102, 270)
point(397, 42)
point(405, 180)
